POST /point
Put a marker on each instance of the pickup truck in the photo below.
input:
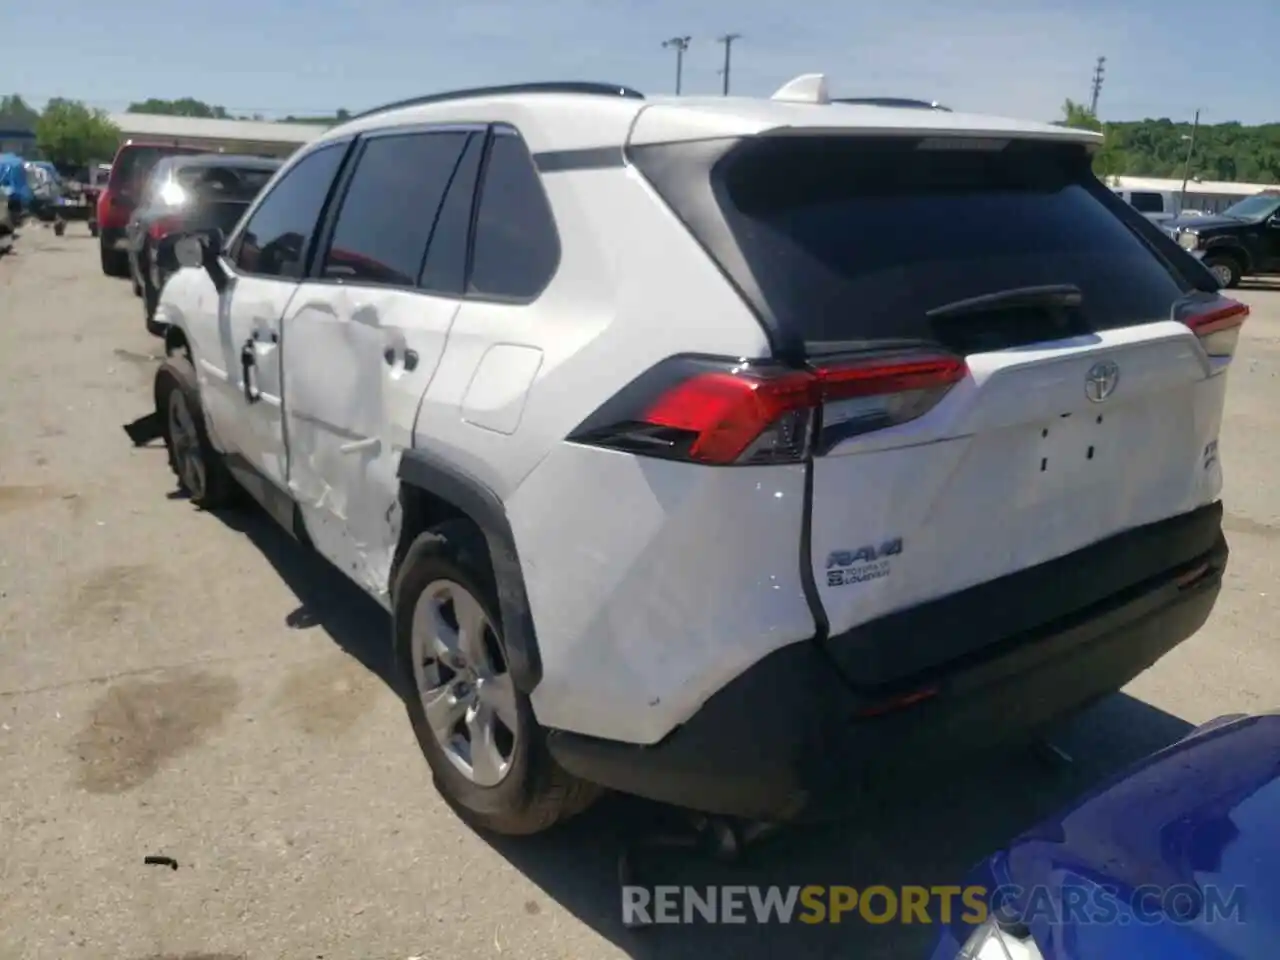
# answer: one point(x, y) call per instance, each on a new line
point(1243, 240)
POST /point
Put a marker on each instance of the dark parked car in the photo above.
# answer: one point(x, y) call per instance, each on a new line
point(183, 193)
point(118, 198)
point(1242, 241)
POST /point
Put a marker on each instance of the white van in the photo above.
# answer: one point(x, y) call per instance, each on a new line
point(1157, 205)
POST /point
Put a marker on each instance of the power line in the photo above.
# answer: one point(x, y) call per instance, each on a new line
point(681, 44)
point(727, 40)
point(1098, 71)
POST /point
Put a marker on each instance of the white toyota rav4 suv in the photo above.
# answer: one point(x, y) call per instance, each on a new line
point(738, 453)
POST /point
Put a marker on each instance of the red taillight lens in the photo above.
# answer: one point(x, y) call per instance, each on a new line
point(722, 412)
point(1219, 327)
point(161, 228)
point(113, 211)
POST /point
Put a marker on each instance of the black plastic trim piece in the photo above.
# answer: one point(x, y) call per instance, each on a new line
point(578, 87)
point(436, 476)
point(912, 645)
point(684, 176)
point(588, 158)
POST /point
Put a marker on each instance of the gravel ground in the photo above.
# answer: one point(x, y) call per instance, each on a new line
point(178, 683)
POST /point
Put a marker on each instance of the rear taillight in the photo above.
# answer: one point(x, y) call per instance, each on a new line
point(734, 412)
point(113, 210)
point(1219, 326)
point(164, 226)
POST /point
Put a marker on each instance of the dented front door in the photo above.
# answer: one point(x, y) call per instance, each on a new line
point(356, 364)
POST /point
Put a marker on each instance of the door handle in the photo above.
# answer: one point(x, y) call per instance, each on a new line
point(391, 355)
point(357, 446)
point(247, 362)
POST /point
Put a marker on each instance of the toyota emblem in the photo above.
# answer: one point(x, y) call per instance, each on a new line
point(1101, 380)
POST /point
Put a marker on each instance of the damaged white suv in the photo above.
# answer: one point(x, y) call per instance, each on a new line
point(737, 453)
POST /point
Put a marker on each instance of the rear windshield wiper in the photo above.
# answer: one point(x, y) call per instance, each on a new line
point(1052, 295)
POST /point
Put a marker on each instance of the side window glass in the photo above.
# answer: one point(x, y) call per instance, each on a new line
point(390, 207)
point(1148, 202)
point(516, 247)
point(274, 242)
point(445, 269)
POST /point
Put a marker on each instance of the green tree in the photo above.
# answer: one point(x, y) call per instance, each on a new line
point(70, 133)
point(182, 107)
point(1110, 159)
point(15, 112)
point(340, 116)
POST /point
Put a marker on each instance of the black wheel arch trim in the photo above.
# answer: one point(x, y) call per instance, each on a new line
point(427, 472)
point(1232, 247)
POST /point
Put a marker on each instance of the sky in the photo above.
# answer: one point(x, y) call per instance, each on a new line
point(1017, 57)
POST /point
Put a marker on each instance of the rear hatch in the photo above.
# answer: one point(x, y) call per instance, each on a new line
point(128, 176)
point(1013, 366)
point(218, 195)
point(201, 195)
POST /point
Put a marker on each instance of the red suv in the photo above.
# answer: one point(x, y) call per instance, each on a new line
point(116, 202)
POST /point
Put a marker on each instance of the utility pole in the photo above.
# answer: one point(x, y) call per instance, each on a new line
point(681, 44)
point(1098, 71)
point(1186, 165)
point(727, 40)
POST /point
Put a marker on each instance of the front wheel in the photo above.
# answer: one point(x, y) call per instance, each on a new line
point(200, 469)
point(476, 728)
point(1225, 269)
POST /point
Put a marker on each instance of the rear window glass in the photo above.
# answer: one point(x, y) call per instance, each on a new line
point(224, 182)
point(133, 163)
point(857, 238)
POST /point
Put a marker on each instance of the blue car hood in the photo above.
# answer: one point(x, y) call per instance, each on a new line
point(1194, 829)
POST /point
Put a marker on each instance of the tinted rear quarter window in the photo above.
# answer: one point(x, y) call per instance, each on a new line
point(516, 247)
point(857, 238)
point(390, 207)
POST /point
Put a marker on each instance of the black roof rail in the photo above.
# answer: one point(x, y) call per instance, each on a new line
point(907, 102)
point(580, 87)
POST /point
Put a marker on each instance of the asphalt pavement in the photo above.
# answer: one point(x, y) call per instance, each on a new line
point(188, 685)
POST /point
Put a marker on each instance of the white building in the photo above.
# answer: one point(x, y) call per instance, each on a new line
point(231, 136)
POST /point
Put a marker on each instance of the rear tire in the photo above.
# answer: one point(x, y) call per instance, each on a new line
point(115, 263)
point(202, 474)
point(1225, 268)
point(532, 793)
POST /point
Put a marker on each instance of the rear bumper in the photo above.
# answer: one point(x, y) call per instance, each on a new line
point(790, 737)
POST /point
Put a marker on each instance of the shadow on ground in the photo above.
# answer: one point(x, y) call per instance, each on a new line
point(929, 836)
point(326, 597)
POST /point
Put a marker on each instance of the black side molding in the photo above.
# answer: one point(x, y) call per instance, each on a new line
point(431, 474)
